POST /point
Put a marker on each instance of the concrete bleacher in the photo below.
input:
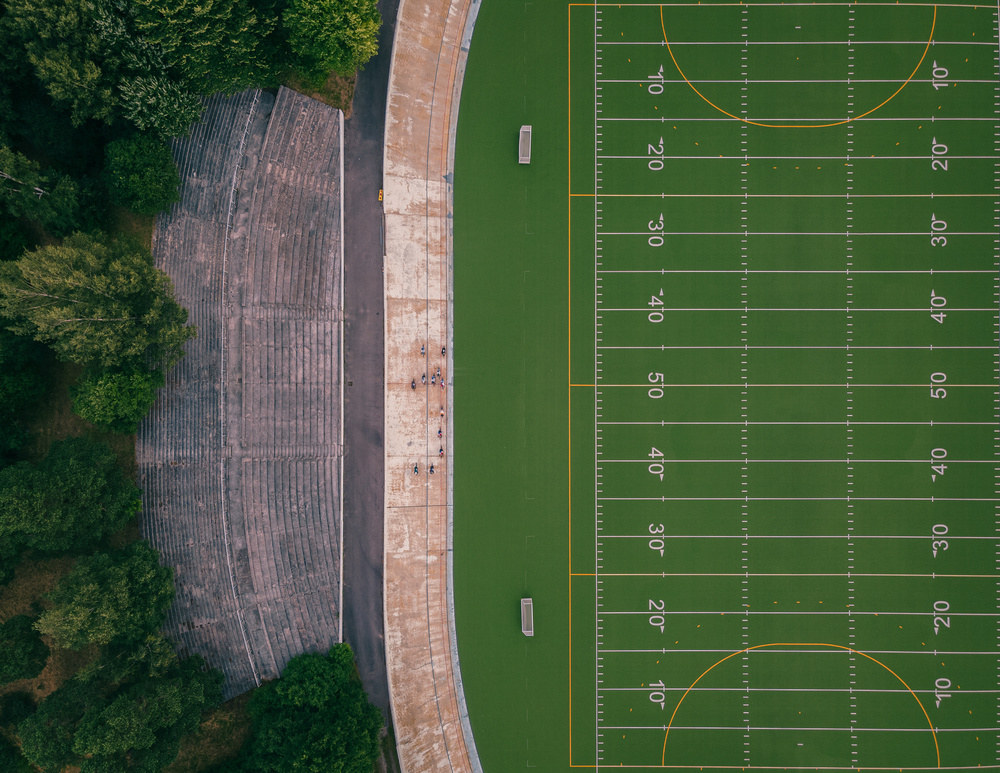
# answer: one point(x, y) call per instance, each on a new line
point(240, 459)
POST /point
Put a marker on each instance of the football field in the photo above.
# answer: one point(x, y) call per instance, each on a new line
point(781, 410)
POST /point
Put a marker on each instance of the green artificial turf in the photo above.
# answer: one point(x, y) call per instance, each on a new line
point(708, 413)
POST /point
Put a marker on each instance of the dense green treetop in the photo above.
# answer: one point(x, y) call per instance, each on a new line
point(118, 400)
point(132, 723)
point(316, 718)
point(213, 44)
point(339, 35)
point(124, 662)
point(47, 735)
point(96, 300)
point(24, 652)
point(68, 54)
point(74, 497)
point(141, 175)
point(21, 385)
point(106, 597)
point(51, 201)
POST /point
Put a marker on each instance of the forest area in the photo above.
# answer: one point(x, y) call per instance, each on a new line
point(91, 91)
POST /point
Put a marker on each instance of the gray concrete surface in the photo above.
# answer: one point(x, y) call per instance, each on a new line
point(240, 460)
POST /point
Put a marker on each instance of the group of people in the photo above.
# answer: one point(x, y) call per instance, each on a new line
point(423, 379)
point(435, 378)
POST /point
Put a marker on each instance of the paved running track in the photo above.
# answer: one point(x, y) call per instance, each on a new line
point(364, 347)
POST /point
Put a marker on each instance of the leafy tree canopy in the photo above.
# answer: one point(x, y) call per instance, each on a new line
point(93, 61)
point(118, 400)
point(51, 202)
point(316, 718)
point(68, 55)
point(14, 237)
point(15, 707)
point(141, 729)
point(141, 175)
point(106, 597)
point(76, 496)
point(126, 662)
point(47, 735)
point(156, 103)
point(24, 652)
point(213, 44)
point(338, 35)
point(22, 384)
point(128, 725)
point(97, 301)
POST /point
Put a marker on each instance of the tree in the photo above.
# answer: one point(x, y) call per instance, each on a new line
point(142, 727)
point(54, 204)
point(47, 735)
point(76, 81)
point(94, 63)
point(21, 386)
point(71, 60)
point(15, 707)
point(140, 174)
point(339, 35)
point(109, 597)
point(74, 497)
point(155, 103)
point(126, 662)
point(24, 652)
point(130, 724)
point(215, 45)
point(14, 237)
point(316, 718)
point(117, 400)
point(97, 301)
point(11, 760)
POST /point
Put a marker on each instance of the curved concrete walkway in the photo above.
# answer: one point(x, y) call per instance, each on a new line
point(429, 53)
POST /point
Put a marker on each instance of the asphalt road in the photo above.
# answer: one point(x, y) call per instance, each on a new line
point(364, 346)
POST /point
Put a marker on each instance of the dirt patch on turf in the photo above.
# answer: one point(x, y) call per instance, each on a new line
point(61, 666)
point(55, 420)
point(32, 579)
point(220, 736)
point(138, 227)
point(22, 596)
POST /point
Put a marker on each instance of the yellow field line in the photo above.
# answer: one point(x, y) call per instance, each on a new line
point(801, 644)
point(796, 126)
point(569, 359)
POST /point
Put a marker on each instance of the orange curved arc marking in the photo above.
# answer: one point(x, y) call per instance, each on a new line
point(798, 126)
point(930, 724)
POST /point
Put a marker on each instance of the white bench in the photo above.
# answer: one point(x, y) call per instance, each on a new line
point(524, 145)
point(527, 618)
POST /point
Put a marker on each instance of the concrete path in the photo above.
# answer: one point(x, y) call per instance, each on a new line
point(425, 81)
